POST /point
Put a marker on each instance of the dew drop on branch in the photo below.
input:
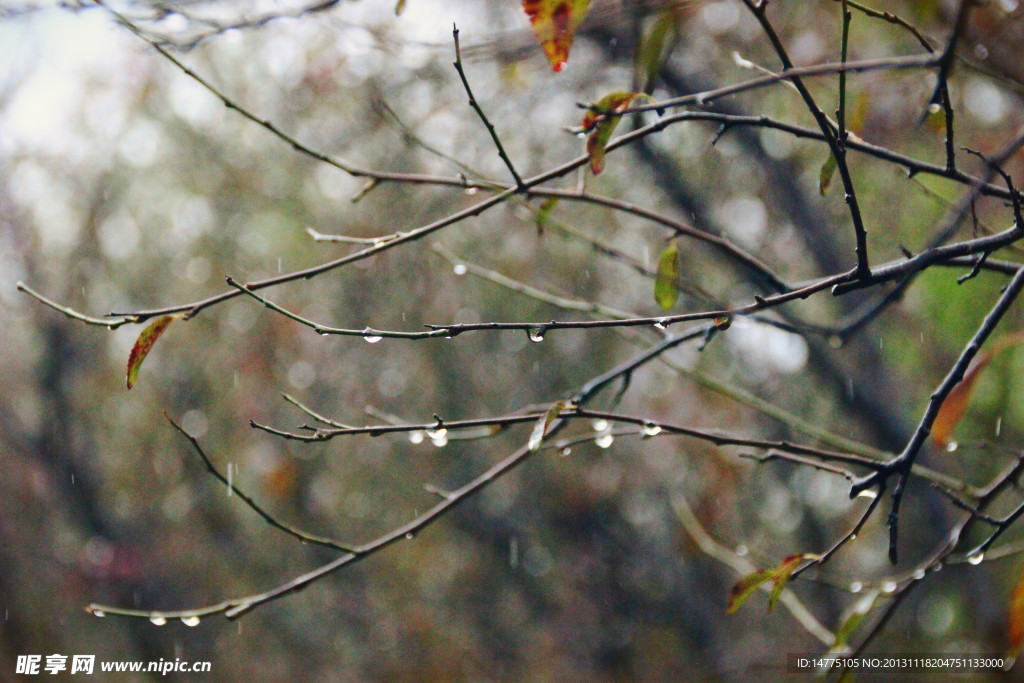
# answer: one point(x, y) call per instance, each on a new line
point(369, 337)
point(157, 620)
point(190, 621)
point(536, 334)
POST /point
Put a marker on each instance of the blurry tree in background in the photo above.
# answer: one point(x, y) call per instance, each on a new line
point(506, 417)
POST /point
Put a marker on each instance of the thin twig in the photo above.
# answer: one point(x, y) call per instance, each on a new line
point(480, 112)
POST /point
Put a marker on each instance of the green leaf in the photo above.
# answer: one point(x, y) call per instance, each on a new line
point(144, 344)
point(652, 53)
point(782, 574)
point(854, 617)
point(601, 122)
point(746, 586)
point(544, 212)
point(666, 283)
point(779, 576)
point(541, 428)
point(828, 169)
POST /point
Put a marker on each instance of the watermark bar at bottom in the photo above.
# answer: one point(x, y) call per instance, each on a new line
point(897, 663)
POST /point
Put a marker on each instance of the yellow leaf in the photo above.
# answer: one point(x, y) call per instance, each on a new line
point(601, 122)
point(954, 408)
point(554, 23)
point(1015, 628)
point(666, 282)
point(400, 7)
point(144, 344)
point(541, 428)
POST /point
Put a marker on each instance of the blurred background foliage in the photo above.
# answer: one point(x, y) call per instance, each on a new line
point(125, 185)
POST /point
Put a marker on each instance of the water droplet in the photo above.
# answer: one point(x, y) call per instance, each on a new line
point(369, 337)
point(536, 334)
point(409, 536)
point(99, 613)
point(190, 621)
point(472, 190)
point(870, 494)
point(934, 108)
point(976, 558)
point(660, 323)
point(919, 574)
point(157, 620)
point(856, 587)
point(416, 437)
point(566, 451)
point(651, 429)
point(952, 446)
point(889, 587)
point(999, 425)
point(937, 567)
point(853, 537)
point(742, 550)
point(440, 441)
point(605, 440)
point(459, 269)
point(599, 425)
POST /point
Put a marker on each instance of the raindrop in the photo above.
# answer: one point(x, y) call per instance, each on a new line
point(976, 558)
point(190, 621)
point(99, 613)
point(934, 108)
point(651, 429)
point(999, 425)
point(742, 550)
point(952, 446)
point(853, 537)
point(157, 620)
point(369, 337)
point(889, 587)
point(459, 269)
point(870, 494)
point(440, 441)
point(566, 451)
point(599, 425)
point(473, 190)
point(856, 587)
point(408, 536)
point(937, 567)
point(605, 440)
point(660, 323)
point(919, 574)
point(416, 437)
point(536, 334)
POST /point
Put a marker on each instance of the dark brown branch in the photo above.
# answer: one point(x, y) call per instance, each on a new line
point(900, 466)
